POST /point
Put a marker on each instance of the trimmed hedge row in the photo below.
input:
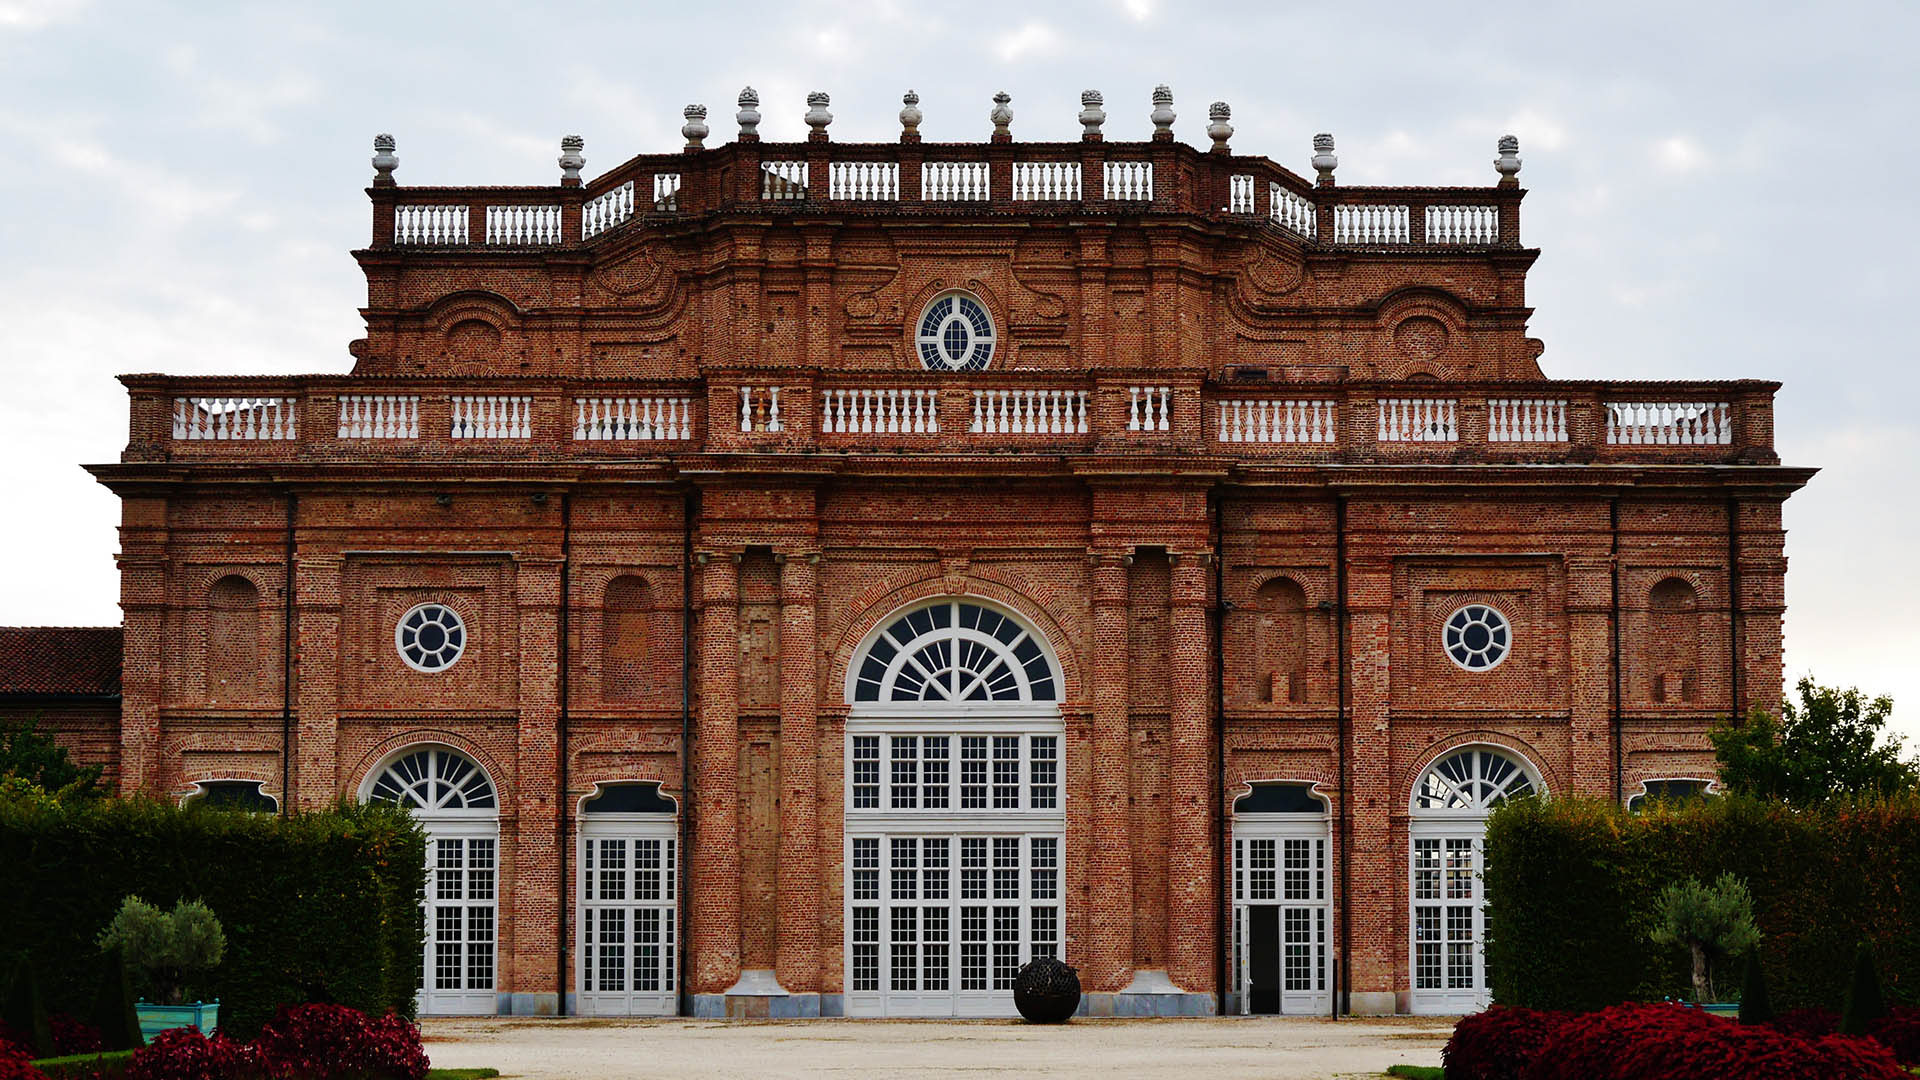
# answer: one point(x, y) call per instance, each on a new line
point(1571, 884)
point(316, 907)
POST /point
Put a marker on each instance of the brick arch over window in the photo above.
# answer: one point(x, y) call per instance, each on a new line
point(623, 638)
point(957, 649)
point(846, 634)
point(1673, 645)
point(233, 640)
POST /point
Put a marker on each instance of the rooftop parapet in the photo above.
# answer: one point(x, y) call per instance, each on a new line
point(1000, 176)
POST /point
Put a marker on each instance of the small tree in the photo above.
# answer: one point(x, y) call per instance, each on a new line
point(1829, 744)
point(1714, 921)
point(1756, 1005)
point(1864, 1003)
point(167, 947)
point(27, 755)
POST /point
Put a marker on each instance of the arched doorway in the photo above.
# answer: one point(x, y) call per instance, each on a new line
point(629, 917)
point(1282, 902)
point(1451, 803)
point(454, 801)
point(955, 820)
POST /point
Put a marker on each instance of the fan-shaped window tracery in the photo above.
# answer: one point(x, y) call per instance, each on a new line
point(955, 651)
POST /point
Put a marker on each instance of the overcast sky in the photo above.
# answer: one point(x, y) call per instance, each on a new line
point(1719, 190)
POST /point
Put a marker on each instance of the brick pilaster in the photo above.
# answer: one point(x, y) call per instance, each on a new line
point(715, 899)
point(800, 937)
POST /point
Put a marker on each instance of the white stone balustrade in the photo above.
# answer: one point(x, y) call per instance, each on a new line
point(760, 410)
point(783, 180)
point(1367, 224)
point(248, 419)
point(864, 181)
point(1240, 194)
point(953, 181)
point(1526, 420)
point(1419, 420)
point(1669, 423)
point(632, 419)
point(1149, 408)
point(1046, 181)
point(879, 411)
point(1029, 412)
point(666, 191)
point(491, 416)
point(604, 211)
point(439, 225)
point(1279, 420)
point(1129, 181)
point(523, 224)
point(379, 416)
point(1463, 224)
point(1291, 212)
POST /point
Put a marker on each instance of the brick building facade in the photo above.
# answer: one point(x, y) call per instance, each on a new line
point(805, 579)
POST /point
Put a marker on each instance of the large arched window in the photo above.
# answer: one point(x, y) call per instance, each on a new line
point(956, 651)
point(1451, 802)
point(955, 819)
point(455, 802)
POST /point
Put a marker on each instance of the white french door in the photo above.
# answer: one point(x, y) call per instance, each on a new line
point(628, 928)
point(461, 913)
point(1282, 917)
point(1449, 918)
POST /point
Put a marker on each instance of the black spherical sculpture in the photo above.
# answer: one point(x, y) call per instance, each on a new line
point(1046, 991)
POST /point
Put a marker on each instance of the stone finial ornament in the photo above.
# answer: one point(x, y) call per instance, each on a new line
point(910, 117)
point(384, 159)
point(1163, 114)
point(1218, 129)
point(695, 129)
point(1508, 163)
point(749, 115)
point(572, 157)
point(1091, 114)
point(1323, 160)
point(817, 115)
point(1002, 115)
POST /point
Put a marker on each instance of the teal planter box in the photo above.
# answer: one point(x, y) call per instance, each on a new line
point(155, 1019)
point(1723, 1008)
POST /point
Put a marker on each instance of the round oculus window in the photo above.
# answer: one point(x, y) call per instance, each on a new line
point(956, 334)
point(1477, 637)
point(430, 637)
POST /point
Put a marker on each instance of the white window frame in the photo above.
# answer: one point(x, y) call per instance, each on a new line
point(953, 720)
point(452, 824)
point(1438, 826)
point(1319, 910)
point(632, 828)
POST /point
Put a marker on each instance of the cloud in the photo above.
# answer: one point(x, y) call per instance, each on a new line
point(36, 14)
point(1139, 10)
point(1037, 39)
point(1679, 155)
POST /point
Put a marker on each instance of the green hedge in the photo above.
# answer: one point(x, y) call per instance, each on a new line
point(1571, 883)
point(316, 907)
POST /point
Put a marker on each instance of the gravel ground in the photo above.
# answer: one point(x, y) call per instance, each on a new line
point(1210, 1049)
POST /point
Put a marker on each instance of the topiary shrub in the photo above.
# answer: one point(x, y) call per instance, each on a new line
point(112, 1012)
point(25, 1012)
point(318, 1042)
point(1498, 1043)
point(1899, 1031)
point(1864, 1005)
point(185, 1054)
point(1713, 921)
point(1046, 990)
point(1756, 1006)
point(1659, 1042)
point(16, 1065)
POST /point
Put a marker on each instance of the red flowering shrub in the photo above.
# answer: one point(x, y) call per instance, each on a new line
point(1810, 1023)
point(1498, 1043)
point(320, 1042)
point(71, 1036)
point(185, 1054)
point(1655, 1042)
point(1899, 1031)
point(16, 1065)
